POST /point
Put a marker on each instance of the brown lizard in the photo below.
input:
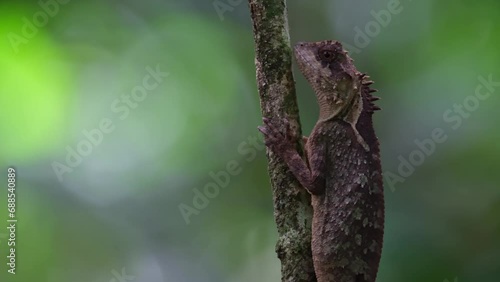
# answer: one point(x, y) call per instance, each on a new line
point(341, 168)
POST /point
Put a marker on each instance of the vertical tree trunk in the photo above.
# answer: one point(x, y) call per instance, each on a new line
point(292, 210)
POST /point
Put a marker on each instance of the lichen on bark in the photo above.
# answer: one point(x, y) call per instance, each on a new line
point(292, 209)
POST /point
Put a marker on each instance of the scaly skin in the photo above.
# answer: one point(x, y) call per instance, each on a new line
point(342, 168)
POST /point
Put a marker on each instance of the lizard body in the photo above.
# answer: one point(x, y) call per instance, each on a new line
point(341, 170)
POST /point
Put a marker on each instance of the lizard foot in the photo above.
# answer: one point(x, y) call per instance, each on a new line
point(277, 140)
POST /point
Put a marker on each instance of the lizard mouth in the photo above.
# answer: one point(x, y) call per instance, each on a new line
point(304, 54)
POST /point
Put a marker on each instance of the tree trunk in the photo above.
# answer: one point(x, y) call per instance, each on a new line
point(292, 209)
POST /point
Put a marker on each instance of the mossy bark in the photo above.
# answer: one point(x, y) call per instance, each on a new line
point(292, 209)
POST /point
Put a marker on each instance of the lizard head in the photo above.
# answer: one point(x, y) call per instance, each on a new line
point(332, 75)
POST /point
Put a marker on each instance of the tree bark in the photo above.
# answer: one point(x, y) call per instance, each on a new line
point(292, 209)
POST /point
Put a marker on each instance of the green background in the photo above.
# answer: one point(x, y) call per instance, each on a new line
point(118, 210)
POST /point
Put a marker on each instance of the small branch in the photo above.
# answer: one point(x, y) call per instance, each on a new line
point(292, 210)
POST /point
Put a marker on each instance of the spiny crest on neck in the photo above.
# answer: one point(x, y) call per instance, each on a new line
point(367, 92)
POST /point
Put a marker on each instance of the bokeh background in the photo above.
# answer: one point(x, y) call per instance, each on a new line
point(129, 208)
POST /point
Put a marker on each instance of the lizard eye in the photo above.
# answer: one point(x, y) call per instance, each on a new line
point(326, 55)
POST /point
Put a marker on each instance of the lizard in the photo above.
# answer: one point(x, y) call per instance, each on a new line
point(341, 166)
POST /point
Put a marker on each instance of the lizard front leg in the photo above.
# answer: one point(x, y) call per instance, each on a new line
point(309, 172)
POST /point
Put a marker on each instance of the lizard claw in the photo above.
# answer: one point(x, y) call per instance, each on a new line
point(276, 139)
point(266, 131)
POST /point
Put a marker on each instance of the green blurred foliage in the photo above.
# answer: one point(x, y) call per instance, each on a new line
point(35, 99)
point(118, 208)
